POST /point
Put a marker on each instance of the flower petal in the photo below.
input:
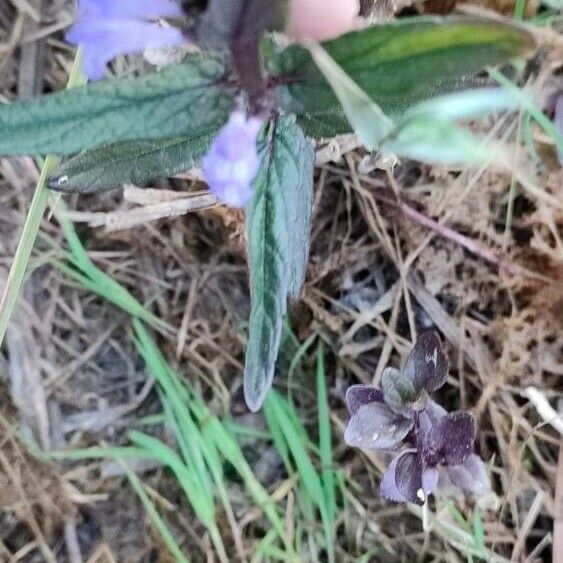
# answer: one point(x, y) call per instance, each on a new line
point(427, 364)
point(408, 478)
point(430, 476)
point(358, 395)
point(429, 417)
point(470, 476)
point(376, 426)
point(388, 488)
point(230, 165)
point(108, 29)
point(452, 437)
point(129, 9)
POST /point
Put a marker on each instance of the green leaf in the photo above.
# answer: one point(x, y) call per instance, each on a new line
point(397, 64)
point(432, 140)
point(136, 162)
point(366, 117)
point(278, 225)
point(187, 99)
point(398, 390)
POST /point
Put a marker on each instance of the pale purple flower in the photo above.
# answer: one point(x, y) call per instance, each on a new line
point(435, 447)
point(232, 162)
point(108, 28)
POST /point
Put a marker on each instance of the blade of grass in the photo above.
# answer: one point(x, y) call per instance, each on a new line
point(200, 502)
point(187, 433)
point(478, 530)
point(529, 105)
point(295, 361)
point(519, 9)
point(230, 450)
point(158, 522)
point(325, 442)
point(222, 438)
point(39, 202)
point(213, 437)
point(98, 281)
point(292, 431)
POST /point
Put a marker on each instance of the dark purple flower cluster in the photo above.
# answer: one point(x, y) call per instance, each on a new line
point(434, 448)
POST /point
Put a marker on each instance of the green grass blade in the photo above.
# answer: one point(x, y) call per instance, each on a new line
point(293, 431)
point(325, 442)
point(156, 519)
point(529, 105)
point(32, 224)
point(230, 450)
point(478, 530)
point(187, 432)
point(98, 281)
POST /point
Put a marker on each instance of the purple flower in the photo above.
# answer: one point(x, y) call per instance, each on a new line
point(232, 162)
point(435, 447)
point(425, 371)
point(108, 28)
point(443, 444)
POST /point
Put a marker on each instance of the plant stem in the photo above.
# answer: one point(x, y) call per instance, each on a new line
point(31, 226)
point(16, 275)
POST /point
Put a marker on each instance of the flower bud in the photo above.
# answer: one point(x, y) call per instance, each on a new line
point(232, 162)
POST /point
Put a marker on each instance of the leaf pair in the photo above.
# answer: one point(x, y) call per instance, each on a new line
point(179, 108)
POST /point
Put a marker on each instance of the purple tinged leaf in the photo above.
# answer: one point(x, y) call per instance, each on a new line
point(452, 438)
point(430, 477)
point(107, 29)
point(388, 488)
point(230, 165)
point(358, 395)
point(429, 417)
point(376, 426)
point(427, 364)
point(408, 478)
point(470, 476)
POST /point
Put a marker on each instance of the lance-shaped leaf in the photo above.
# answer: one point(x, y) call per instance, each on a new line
point(188, 99)
point(397, 65)
point(278, 224)
point(136, 162)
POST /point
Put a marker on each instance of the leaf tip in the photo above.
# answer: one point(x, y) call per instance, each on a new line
point(255, 391)
point(58, 182)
